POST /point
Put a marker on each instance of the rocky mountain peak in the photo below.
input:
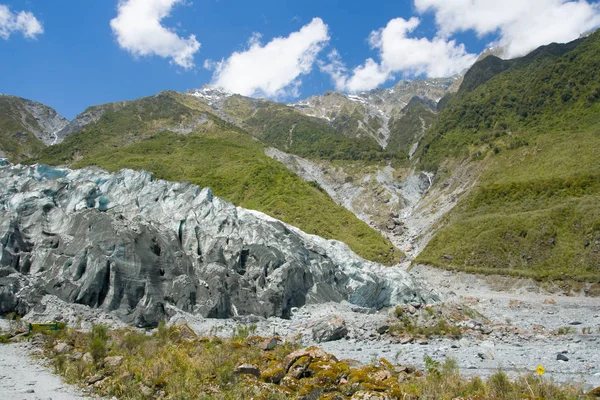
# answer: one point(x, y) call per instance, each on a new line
point(214, 95)
point(368, 114)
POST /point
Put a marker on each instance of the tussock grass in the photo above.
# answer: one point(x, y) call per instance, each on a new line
point(173, 363)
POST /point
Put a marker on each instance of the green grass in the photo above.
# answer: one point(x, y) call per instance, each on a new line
point(533, 124)
point(216, 155)
point(534, 213)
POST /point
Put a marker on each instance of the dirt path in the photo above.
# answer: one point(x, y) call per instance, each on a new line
point(24, 378)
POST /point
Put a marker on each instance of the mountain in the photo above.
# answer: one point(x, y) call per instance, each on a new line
point(145, 249)
point(286, 129)
point(180, 137)
point(531, 129)
point(371, 114)
point(26, 126)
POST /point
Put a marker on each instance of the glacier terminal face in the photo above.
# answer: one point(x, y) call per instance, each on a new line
point(138, 247)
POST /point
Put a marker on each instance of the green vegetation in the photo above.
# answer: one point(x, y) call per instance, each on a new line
point(17, 142)
point(408, 128)
point(555, 88)
point(289, 130)
point(535, 129)
point(174, 363)
point(218, 155)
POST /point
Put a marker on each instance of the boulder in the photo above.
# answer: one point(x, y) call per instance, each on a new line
point(329, 330)
point(562, 357)
point(113, 362)
point(269, 344)
point(247, 369)
point(62, 348)
point(594, 393)
point(88, 358)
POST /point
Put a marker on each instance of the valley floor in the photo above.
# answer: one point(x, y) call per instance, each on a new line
point(515, 327)
point(24, 378)
point(525, 327)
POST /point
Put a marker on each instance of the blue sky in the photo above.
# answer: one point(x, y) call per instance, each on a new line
point(68, 55)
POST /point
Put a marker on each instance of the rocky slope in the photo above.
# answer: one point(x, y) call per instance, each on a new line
point(372, 114)
point(26, 126)
point(140, 247)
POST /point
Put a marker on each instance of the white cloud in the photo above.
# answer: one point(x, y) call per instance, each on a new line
point(138, 29)
point(24, 22)
point(400, 53)
point(273, 69)
point(522, 25)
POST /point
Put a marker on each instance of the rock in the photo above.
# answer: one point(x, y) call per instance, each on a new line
point(549, 301)
point(485, 355)
point(369, 395)
point(364, 310)
point(94, 378)
point(138, 246)
point(269, 344)
point(574, 323)
point(382, 375)
point(88, 358)
point(311, 352)
point(99, 384)
point(310, 393)
point(76, 355)
point(62, 348)
point(422, 341)
point(448, 257)
point(486, 330)
point(562, 357)
point(273, 375)
point(298, 369)
point(411, 309)
point(113, 362)
point(382, 329)
point(247, 369)
point(330, 330)
point(406, 339)
point(146, 391)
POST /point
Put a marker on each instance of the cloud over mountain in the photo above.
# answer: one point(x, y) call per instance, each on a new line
point(272, 69)
point(521, 25)
point(399, 52)
point(139, 30)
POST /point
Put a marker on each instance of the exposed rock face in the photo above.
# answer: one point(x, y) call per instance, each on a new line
point(137, 247)
point(42, 121)
point(89, 116)
point(371, 114)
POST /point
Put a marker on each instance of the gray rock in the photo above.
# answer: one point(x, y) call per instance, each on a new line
point(247, 369)
point(383, 329)
point(62, 348)
point(562, 357)
point(88, 358)
point(113, 362)
point(330, 330)
point(141, 248)
point(269, 344)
